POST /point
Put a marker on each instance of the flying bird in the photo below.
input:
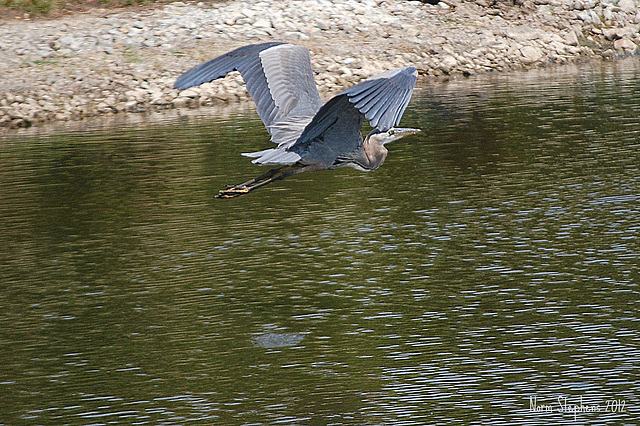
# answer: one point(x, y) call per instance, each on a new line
point(310, 136)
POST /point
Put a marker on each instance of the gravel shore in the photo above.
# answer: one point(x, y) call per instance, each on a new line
point(110, 62)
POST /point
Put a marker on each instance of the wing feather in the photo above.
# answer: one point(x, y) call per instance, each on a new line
point(279, 78)
point(384, 97)
point(368, 97)
point(220, 66)
point(402, 105)
point(375, 106)
point(289, 75)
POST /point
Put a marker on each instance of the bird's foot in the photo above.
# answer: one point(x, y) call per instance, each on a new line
point(233, 191)
point(273, 175)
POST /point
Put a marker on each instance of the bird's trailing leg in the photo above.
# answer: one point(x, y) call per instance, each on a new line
point(263, 176)
point(262, 180)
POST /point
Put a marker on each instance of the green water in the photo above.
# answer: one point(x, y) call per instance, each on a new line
point(488, 270)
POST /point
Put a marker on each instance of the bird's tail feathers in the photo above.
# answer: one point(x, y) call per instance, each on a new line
point(273, 156)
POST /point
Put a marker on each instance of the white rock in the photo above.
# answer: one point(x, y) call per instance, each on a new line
point(628, 6)
point(180, 102)
point(191, 92)
point(571, 38)
point(523, 33)
point(262, 23)
point(531, 54)
point(625, 44)
point(447, 64)
point(610, 33)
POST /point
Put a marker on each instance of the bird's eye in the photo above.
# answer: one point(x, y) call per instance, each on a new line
point(392, 132)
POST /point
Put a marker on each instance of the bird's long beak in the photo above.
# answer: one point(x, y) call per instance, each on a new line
point(399, 132)
point(405, 132)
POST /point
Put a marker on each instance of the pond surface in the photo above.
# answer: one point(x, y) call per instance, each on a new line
point(486, 274)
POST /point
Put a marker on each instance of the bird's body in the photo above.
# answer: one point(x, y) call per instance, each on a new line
point(310, 135)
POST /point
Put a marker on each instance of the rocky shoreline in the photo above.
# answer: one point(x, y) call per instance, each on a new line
point(110, 62)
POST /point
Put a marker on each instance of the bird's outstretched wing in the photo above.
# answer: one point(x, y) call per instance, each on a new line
point(279, 78)
point(381, 99)
point(222, 65)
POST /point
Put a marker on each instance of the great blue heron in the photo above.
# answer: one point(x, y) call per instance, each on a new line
point(310, 136)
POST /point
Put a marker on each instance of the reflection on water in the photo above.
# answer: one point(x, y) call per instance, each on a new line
point(277, 340)
point(486, 274)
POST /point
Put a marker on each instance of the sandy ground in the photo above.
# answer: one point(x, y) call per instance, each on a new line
point(114, 62)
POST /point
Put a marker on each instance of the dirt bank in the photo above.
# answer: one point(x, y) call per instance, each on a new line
point(114, 62)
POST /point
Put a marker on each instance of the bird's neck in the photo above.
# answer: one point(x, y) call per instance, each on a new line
point(375, 153)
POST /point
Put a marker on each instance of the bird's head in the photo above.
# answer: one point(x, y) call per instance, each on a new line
point(390, 135)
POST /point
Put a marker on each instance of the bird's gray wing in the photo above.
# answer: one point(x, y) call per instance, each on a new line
point(221, 66)
point(381, 99)
point(279, 78)
point(333, 132)
point(289, 76)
